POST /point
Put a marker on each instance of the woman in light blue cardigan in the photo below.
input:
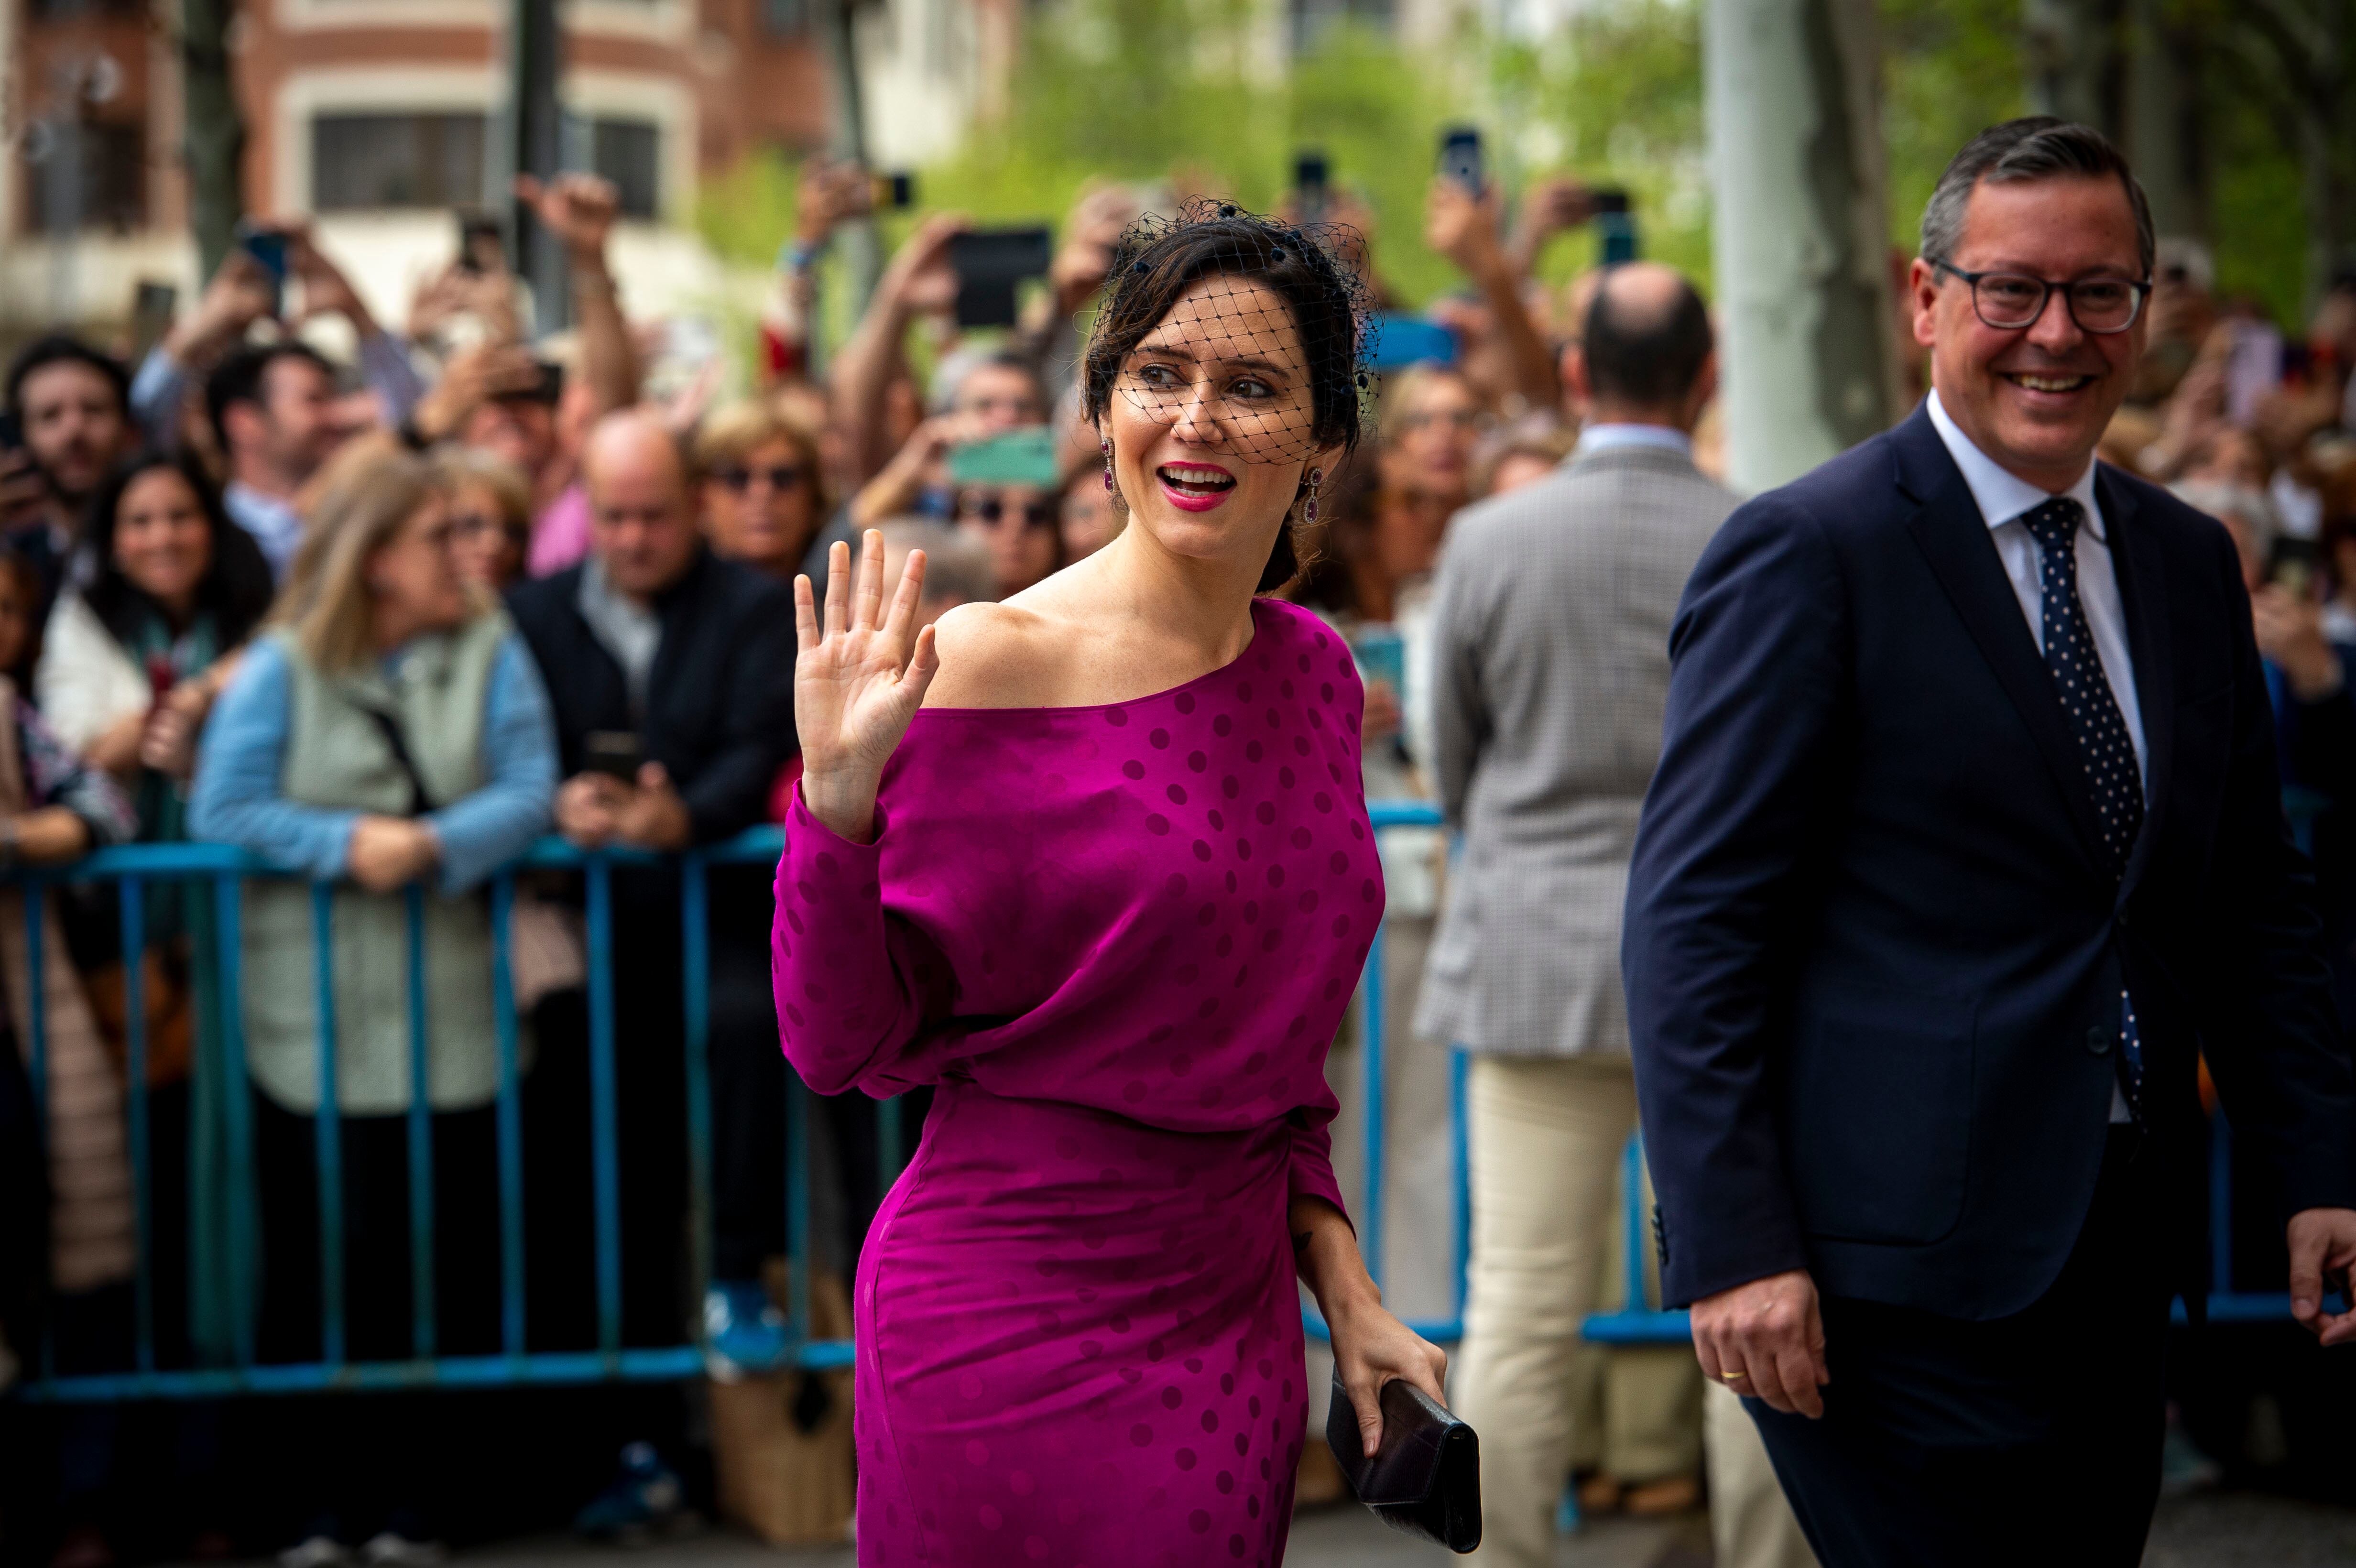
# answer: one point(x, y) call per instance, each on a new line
point(391, 730)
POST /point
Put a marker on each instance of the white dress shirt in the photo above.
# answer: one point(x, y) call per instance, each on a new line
point(275, 524)
point(1604, 437)
point(2004, 499)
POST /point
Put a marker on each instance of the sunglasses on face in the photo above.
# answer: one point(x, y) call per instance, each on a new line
point(784, 476)
point(992, 510)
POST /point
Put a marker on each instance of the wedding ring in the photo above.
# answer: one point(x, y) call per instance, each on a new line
point(1734, 1377)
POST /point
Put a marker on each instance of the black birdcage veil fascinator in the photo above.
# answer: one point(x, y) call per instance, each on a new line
point(1247, 329)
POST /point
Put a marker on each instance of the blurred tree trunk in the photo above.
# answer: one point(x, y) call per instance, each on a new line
point(1803, 286)
point(861, 247)
point(2076, 66)
point(2165, 128)
point(532, 135)
point(2298, 58)
point(215, 131)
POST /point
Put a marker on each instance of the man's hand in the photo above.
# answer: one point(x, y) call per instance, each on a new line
point(390, 852)
point(1090, 235)
point(2323, 1250)
point(920, 281)
point(326, 290)
point(1552, 205)
point(652, 816)
point(586, 808)
point(1463, 227)
point(828, 193)
point(578, 209)
point(485, 371)
point(240, 294)
point(1766, 1338)
point(454, 293)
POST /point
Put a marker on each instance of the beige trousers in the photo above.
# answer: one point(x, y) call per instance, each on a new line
point(1547, 1136)
point(1751, 1525)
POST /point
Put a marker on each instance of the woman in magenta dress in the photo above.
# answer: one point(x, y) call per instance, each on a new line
point(1097, 863)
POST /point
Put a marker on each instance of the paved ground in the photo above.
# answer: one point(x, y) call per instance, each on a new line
point(2225, 1530)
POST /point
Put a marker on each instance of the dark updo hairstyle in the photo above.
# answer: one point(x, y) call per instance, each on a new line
point(1158, 259)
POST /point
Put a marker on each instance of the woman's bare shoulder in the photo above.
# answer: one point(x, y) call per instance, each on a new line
point(994, 655)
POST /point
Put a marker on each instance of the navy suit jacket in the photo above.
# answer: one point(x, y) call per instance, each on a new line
point(1873, 954)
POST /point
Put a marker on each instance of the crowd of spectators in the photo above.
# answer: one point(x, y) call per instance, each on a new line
point(386, 622)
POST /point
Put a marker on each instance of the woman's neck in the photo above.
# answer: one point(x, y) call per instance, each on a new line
point(1184, 598)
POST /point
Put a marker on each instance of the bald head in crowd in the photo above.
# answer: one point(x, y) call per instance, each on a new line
point(641, 508)
point(1646, 354)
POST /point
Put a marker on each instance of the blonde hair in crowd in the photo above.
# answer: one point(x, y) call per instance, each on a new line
point(357, 508)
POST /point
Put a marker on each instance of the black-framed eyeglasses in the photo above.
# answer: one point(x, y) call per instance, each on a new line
point(993, 510)
point(783, 477)
point(2011, 301)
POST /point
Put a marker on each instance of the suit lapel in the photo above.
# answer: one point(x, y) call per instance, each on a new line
point(1953, 536)
point(2143, 596)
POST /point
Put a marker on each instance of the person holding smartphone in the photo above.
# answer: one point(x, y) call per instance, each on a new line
point(669, 671)
point(67, 421)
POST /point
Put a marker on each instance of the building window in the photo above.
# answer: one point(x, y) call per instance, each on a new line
point(91, 176)
point(361, 161)
point(629, 153)
point(785, 19)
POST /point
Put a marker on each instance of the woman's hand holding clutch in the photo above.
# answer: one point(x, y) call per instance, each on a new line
point(858, 681)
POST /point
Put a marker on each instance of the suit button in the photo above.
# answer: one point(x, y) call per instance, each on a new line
point(2098, 1040)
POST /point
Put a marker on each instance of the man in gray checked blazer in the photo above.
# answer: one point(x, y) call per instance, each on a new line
point(1550, 637)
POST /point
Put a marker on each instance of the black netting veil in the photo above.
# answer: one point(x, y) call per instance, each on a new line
point(1248, 330)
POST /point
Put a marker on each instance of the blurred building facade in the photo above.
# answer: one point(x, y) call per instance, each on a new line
point(375, 115)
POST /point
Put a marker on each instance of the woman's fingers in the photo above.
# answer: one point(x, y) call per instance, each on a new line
point(924, 662)
point(1367, 1401)
point(838, 587)
point(906, 598)
point(804, 615)
point(869, 599)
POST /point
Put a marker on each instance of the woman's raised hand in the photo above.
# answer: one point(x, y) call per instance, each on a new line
point(857, 682)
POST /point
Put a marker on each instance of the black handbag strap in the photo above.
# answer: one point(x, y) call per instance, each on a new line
point(421, 799)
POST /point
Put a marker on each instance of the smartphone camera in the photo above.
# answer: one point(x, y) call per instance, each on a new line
point(989, 263)
point(1311, 188)
point(1459, 159)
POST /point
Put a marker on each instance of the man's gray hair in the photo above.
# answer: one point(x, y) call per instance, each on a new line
point(2037, 147)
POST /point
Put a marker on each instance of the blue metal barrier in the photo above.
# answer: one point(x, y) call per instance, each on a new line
point(1636, 1322)
point(136, 867)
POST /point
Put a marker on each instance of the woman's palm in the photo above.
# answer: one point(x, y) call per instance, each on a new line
point(859, 678)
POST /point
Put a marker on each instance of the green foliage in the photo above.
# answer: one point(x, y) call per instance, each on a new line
point(745, 214)
point(2257, 210)
point(1189, 95)
point(1950, 70)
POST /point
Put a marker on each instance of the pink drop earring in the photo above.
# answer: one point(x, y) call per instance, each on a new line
point(1308, 512)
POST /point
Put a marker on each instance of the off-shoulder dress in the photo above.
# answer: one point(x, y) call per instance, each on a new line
point(1118, 938)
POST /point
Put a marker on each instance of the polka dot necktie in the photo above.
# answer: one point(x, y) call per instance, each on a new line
point(2094, 717)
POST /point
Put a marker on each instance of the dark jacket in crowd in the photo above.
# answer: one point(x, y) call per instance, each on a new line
point(1875, 955)
point(720, 702)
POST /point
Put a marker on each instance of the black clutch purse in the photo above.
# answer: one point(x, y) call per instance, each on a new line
point(1425, 1480)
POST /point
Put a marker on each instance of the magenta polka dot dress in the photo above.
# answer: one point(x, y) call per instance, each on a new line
point(1119, 939)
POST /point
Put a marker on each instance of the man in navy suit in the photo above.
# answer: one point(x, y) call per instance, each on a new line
point(1965, 841)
